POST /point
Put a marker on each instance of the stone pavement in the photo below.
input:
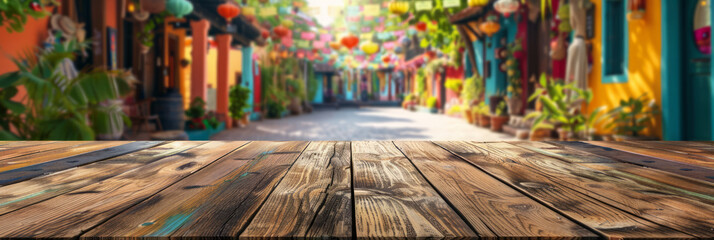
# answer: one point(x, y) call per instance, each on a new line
point(367, 123)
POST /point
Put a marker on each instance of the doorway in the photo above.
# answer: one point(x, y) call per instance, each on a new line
point(696, 80)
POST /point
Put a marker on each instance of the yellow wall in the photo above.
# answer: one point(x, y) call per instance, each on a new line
point(211, 71)
point(645, 60)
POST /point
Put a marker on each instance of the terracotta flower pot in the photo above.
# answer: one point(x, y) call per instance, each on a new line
point(515, 105)
point(468, 116)
point(539, 135)
point(484, 120)
point(565, 135)
point(497, 123)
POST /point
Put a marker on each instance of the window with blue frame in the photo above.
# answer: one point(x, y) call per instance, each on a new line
point(614, 40)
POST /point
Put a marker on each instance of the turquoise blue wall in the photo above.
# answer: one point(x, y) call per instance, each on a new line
point(345, 84)
point(318, 94)
point(247, 78)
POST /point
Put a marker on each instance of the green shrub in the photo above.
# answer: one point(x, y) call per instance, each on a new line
point(238, 97)
point(454, 85)
point(431, 102)
point(472, 89)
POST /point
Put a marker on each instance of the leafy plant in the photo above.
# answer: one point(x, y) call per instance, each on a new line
point(275, 102)
point(513, 69)
point(57, 106)
point(420, 81)
point(195, 112)
point(454, 110)
point(501, 109)
point(146, 35)
point(454, 85)
point(238, 97)
point(559, 106)
point(482, 109)
point(210, 120)
point(13, 13)
point(472, 89)
point(296, 88)
point(633, 115)
point(431, 102)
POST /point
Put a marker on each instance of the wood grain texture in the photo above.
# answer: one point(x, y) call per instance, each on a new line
point(491, 207)
point(21, 194)
point(655, 204)
point(57, 152)
point(216, 202)
point(697, 148)
point(70, 214)
point(28, 172)
point(10, 145)
point(39, 148)
point(693, 171)
point(657, 151)
point(674, 183)
point(314, 199)
point(392, 200)
point(507, 163)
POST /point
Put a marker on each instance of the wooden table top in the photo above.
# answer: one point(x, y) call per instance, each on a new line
point(519, 190)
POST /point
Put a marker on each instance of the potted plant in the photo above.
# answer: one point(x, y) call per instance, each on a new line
point(470, 92)
point(513, 75)
point(499, 118)
point(561, 105)
point(632, 117)
point(484, 116)
point(146, 35)
point(296, 93)
point(238, 97)
point(275, 102)
point(431, 105)
point(494, 100)
point(60, 106)
point(195, 112)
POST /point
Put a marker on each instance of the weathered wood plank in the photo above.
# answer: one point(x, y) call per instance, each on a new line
point(499, 160)
point(560, 152)
point(678, 212)
point(702, 149)
point(18, 195)
point(683, 169)
point(70, 214)
point(10, 145)
point(493, 208)
point(58, 152)
point(30, 150)
point(28, 172)
point(216, 202)
point(673, 183)
point(658, 152)
point(392, 200)
point(313, 200)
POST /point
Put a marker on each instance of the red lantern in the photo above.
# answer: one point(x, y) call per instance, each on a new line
point(421, 26)
point(228, 11)
point(349, 41)
point(386, 59)
point(314, 50)
point(281, 31)
point(431, 54)
point(265, 34)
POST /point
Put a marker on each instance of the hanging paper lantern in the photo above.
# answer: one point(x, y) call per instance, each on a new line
point(350, 41)
point(398, 49)
point(398, 8)
point(506, 7)
point(179, 8)
point(153, 6)
point(386, 58)
point(280, 31)
point(228, 11)
point(287, 23)
point(477, 3)
point(265, 34)
point(369, 48)
point(421, 26)
point(490, 26)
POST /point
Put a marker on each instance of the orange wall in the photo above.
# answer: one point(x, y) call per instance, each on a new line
point(111, 13)
point(15, 44)
point(645, 62)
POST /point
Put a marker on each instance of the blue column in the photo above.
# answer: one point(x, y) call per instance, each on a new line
point(247, 75)
point(318, 93)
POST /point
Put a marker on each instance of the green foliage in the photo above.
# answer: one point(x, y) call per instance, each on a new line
point(559, 106)
point(238, 97)
point(420, 81)
point(211, 121)
point(454, 110)
point(296, 88)
point(196, 109)
point(13, 13)
point(472, 89)
point(146, 35)
point(442, 34)
point(633, 115)
point(311, 82)
point(501, 109)
point(431, 102)
point(513, 69)
point(482, 109)
point(276, 101)
point(454, 85)
point(57, 107)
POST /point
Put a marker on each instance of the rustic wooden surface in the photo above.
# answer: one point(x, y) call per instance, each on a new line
point(345, 190)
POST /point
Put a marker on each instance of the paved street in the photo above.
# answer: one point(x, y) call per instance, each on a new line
point(363, 124)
